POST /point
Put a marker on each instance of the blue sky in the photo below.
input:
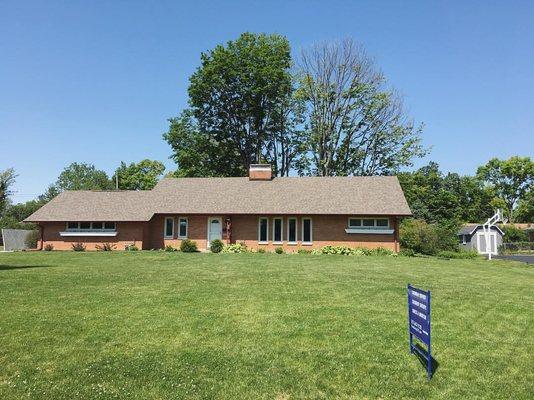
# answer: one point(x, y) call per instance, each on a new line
point(95, 81)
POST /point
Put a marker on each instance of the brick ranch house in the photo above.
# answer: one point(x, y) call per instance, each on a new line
point(260, 211)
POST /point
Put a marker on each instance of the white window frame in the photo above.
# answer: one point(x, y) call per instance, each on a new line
point(362, 226)
point(90, 229)
point(259, 230)
point(165, 236)
point(281, 241)
point(310, 242)
point(296, 231)
point(186, 227)
point(68, 232)
point(374, 229)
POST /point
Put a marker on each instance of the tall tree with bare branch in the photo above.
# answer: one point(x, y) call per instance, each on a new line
point(357, 125)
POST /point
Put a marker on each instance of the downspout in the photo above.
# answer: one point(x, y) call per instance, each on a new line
point(41, 234)
point(228, 230)
point(396, 234)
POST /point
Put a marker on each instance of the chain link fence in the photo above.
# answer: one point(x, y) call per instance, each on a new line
point(517, 247)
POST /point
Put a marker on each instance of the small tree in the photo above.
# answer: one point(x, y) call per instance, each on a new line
point(7, 180)
point(32, 239)
point(513, 179)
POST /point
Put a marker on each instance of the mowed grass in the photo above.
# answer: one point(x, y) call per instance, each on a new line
point(154, 325)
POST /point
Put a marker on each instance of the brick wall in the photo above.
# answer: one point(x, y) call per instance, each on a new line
point(127, 233)
point(326, 230)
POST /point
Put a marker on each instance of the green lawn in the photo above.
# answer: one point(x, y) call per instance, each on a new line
point(154, 325)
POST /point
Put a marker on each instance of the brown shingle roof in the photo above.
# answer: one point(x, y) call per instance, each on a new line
point(377, 195)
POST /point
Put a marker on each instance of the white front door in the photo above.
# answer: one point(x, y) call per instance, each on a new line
point(214, 229)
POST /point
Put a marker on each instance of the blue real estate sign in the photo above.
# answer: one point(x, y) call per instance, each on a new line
point(419, 324)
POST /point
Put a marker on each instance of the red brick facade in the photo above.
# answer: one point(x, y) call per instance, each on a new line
point(326, 230)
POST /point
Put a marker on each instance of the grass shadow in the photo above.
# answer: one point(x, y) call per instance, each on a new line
point(10, 267)
point(434, 363)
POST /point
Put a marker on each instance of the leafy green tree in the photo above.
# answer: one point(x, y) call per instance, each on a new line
point(513, 234)
point(81, 176)
point(357, 125)
point(7, 179)
point(241, 109)
point(143, 175)
point(436, 197)
point(512, 179)
point(198, 154)
point(525, 208)
point(50, 192)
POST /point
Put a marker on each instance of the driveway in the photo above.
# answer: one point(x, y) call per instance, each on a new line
point(526, 258)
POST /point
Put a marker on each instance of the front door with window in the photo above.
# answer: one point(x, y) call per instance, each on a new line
point(214, 229)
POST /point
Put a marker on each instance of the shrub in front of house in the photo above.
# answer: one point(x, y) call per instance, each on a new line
point(49, 247)
point(279, 250)
point(407, 253)
point(216, 246)
point(131, 247)
point(382, 251)
point(236, 248)
point(458, 254)
point(32, 239)
point(261, 250)
point(106, 246)
point(169, 248)
point(78, 246)
point(188, 246)
point(304, 251)
point(341, 250)
point(429, 239)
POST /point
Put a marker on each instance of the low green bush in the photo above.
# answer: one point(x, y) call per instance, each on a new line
point(261, 250)
point(32, 239)
point(49, 247)
point(236, 248)
point(279, 250)
point(106, 247)
point(304, 251)
point(78, 246)
point(458, 254)
point(429, 239)
point(216, 246)
point(381, 251)
point(131, 247)
point(407, 253)
point(342, 250)
point(513, 234)
point(188, 246)
point(169, 248)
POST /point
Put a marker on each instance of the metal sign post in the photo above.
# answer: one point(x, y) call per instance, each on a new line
point(419, 324)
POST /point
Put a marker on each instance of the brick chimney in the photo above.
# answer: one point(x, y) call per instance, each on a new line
point(260, 172)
